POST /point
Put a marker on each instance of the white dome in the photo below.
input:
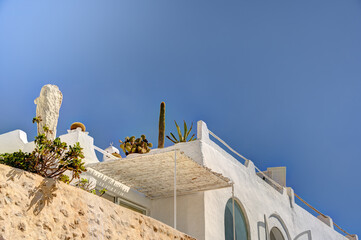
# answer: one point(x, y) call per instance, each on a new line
point(111, 149)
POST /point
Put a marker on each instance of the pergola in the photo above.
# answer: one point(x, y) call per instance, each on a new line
point(154, 174)
point(162, 174)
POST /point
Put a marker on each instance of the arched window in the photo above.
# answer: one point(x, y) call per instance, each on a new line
point(240, 222)
point(276, 234)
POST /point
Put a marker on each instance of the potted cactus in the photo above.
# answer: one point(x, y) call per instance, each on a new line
point(133, 145)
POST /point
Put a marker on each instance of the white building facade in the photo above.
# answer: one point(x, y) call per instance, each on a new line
point(216, 196)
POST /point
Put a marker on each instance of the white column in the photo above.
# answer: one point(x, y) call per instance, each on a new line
point(202, 131)
point(175, 189)
point(234, 218)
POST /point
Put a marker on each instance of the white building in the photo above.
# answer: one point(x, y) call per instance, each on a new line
point(215, 195)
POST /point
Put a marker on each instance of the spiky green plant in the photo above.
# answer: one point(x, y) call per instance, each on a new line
point(132, 145)
point(161, 125)
point(182, 137)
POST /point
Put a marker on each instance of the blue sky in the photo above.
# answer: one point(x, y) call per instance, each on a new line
point(280, 81)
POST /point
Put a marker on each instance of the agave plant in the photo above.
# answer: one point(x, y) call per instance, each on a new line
point(182, 137)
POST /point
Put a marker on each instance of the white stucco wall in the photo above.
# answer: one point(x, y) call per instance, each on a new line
point(85, 141)
point(13, 141)
point(190, 213)
point(259, 200)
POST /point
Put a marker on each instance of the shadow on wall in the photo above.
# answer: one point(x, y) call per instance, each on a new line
point(261, 227)
point(14, 173)
point(40, 196)
point(275, 220)
point(306, 235)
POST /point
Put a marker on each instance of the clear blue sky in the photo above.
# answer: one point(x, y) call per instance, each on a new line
point(280, 80)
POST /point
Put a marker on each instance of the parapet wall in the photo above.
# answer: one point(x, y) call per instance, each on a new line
point(32, 207)
point(263, 205)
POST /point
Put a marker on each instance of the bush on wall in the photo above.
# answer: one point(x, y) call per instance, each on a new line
point(50, 158)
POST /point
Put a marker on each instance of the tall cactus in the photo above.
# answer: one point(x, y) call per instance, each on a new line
point(161, 125)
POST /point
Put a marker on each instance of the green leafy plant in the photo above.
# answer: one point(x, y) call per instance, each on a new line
point(50, 158)
point(161, 125)
point(37, 120)
point(182, 137)
point(19, 159)
point(84, 184)
point(132, 145)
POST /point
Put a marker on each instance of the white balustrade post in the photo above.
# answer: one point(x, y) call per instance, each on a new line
point(202, 131)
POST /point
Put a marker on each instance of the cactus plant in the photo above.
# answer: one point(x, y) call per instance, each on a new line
point(161, 125)
point(182, 137)
point(132, 145)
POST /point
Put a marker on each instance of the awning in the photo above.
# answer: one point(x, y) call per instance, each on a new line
point(153, 174)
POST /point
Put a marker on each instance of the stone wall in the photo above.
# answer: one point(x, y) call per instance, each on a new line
point(32, 207)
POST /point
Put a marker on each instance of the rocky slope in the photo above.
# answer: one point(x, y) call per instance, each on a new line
point(32, 207)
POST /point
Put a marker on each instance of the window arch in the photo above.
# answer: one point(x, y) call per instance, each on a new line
point(276, 234)
point(240, 221)
point(278, 227)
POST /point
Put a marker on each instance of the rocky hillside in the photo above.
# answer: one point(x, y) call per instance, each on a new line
point(32, 207)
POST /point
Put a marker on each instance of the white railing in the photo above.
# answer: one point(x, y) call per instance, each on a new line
point(105, 152)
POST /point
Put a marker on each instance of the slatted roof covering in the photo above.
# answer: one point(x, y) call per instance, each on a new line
point(153, 174)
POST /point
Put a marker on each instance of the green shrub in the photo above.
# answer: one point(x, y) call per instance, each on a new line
point(50, 158)
point(19, 159)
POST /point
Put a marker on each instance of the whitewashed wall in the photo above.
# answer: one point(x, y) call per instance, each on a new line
point(13, 141)
point(85, 141)
point(259, 200)
point(190, 213)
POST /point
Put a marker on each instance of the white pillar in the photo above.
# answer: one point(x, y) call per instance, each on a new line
point(234, 218)
point(268, 237)
point(352, 237)
point(327, 220)
point(291, 196)
point(202, 131)
point(175, 189)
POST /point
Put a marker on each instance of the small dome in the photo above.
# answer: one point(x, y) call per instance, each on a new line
point(77, 125)
point(113, 151)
